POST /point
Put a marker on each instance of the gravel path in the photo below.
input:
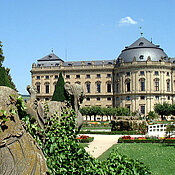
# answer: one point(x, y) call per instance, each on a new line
point(102, 143)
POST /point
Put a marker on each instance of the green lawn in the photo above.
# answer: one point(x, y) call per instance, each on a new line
point(159, 158)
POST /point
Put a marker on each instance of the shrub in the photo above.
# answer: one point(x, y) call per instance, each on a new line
point(63, 153)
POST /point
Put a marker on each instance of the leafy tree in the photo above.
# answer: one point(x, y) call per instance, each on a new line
point(5, 77)
point(163, 110)
point(84, 111)
point(152, 116)
point(123, 111)
point(170, 129)
point(173, 109)
point(95, 111)
point(59, 93)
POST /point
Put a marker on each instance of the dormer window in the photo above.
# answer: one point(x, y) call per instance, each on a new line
point(89, 63)
point(141, 44)
point(69, 64)
point(141, 57)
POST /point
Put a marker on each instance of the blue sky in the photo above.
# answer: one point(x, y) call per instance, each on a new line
point(87, 29)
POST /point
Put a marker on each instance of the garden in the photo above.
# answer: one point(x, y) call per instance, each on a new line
point(159, 158)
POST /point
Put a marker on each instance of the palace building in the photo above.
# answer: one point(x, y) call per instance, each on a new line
point(140, 77)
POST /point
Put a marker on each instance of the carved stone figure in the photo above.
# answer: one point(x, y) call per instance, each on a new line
point(19, 152)
point(74, 90)
point(77, 95)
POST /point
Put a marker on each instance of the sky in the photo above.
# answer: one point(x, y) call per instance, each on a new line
point(79, 30)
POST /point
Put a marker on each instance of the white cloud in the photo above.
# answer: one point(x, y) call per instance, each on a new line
point(126, 21)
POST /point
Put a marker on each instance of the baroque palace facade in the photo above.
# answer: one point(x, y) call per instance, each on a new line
point(140, 77)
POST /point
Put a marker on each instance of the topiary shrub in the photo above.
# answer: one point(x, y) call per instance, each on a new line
point(59, 93)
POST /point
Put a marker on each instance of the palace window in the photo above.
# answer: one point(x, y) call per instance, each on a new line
point(77, 76)
point(47, 76)
point(88, 87)
point(156, 73)
point(142, 84)
point(142, 109)
point(56, 76)
point(47, 88)
point(128, 85)
point(142, 73)
point(38, 77)
point(88, 76)
point(109, 87)
point(98, 98)
point(128, 98)
point(142, 97)
point(98, 87)
point(109, 98)
point(98, 75)
point(141, 57)
point(108, 75)
point(88, 99)
point(156, 84)
point(67, 76)
point(128, 73)
point(157, 97)
point(168, 85)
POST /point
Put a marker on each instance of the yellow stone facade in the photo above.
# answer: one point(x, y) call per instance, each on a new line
point(138, 84)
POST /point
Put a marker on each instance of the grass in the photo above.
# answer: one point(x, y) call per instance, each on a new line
point(159, 158)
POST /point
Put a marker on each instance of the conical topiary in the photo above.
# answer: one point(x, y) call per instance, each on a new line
point(4, 80)
point(59, 93)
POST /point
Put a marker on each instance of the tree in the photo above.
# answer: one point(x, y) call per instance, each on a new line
point(152, 116)
point(95, 111)
point(59, 93)
point(5, 77)
point(170, 129)
point(84, 111)
point(163, 110)
point(122, 111)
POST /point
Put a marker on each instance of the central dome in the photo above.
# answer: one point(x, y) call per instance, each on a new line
point(141, 50)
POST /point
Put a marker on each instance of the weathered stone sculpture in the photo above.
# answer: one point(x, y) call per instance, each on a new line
point(77, 93)
point(39, 112)
point(19, 152)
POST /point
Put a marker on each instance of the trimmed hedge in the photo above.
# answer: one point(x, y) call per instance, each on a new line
point(120, 140)
point(110, 133)
point(88, 140)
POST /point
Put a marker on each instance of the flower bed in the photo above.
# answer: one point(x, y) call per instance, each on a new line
point(85, 139)
point(129, 139)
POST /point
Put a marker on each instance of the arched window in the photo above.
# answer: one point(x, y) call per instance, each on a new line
point(109, 86)
point(168, 85)
point(77, 82)
point(38, 87)
point(98, 84)
point(88, 87)
point(47, 88)
point(142, 84)
point(156, 84)
point(128, 85)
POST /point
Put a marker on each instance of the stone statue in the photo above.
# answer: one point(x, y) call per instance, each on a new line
point(77, 95)
point(19, 152)
point(40, 114)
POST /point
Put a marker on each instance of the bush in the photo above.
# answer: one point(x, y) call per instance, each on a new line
point(63, 153)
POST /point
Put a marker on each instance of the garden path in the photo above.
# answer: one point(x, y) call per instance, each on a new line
point(102, 143)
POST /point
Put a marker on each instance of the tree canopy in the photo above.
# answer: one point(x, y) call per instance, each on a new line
point(163, 110)
point(5, 77)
